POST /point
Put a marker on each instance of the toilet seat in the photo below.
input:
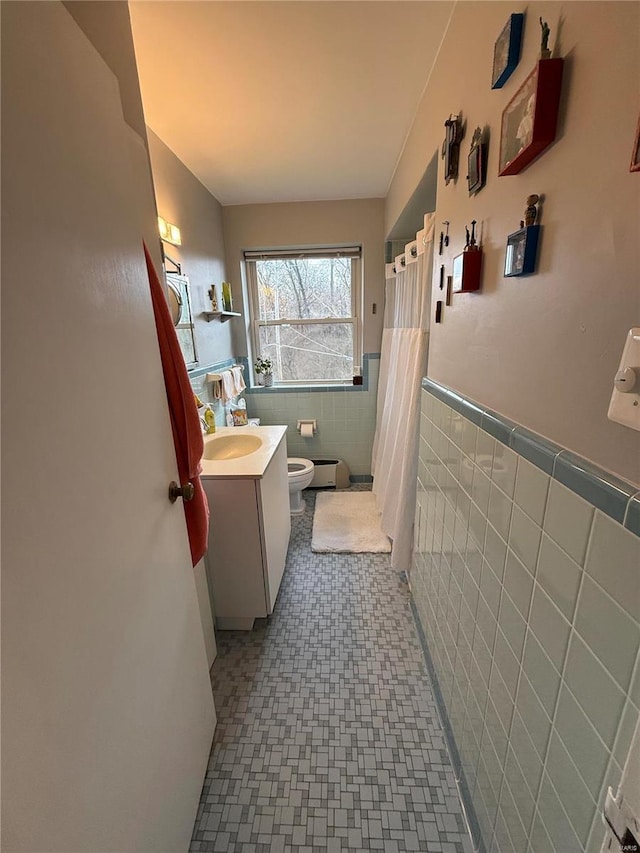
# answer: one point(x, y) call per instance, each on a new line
point(298, 468)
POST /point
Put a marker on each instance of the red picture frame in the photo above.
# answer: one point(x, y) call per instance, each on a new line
point(529, 121)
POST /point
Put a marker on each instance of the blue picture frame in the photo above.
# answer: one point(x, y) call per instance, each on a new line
point(522, 251)
point(506, 51)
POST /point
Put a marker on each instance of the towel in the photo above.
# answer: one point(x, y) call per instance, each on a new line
point(185, 422)
point(228, 386)
point(238, 379)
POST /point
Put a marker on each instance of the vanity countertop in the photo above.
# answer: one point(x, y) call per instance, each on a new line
point(249, 467)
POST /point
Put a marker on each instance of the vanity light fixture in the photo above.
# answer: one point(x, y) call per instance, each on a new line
point(168, 232)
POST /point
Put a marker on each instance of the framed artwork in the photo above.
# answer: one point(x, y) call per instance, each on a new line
point(477, 163)
point(451, 147)
point(467, 268)
point(635, 154)
point(529, 121)
point(506, 51)
point(522, 251)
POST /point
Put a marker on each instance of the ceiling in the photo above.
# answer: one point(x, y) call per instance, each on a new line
point(302, 100)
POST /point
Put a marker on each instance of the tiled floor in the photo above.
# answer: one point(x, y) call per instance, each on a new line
point(328, 737)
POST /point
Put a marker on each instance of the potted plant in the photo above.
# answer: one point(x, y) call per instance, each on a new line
point(264, 371)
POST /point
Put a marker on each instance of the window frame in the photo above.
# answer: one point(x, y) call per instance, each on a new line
point(355, 320)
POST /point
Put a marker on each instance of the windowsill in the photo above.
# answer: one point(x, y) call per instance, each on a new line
point(298, 389)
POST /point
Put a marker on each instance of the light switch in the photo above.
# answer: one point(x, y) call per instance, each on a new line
point(625, 399)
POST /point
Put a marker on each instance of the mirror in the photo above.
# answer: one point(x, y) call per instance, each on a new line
point(179, 298)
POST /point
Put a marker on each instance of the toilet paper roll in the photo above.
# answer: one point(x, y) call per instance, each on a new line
point(306, 430)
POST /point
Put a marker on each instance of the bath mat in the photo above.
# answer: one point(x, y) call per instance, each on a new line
point(348, 523)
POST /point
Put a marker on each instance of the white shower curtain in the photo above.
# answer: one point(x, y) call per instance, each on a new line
point(403, 362)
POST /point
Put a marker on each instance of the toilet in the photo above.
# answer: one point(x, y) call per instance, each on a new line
point(300, 475)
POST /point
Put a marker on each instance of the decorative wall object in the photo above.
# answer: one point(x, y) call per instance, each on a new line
point(213, 296)
point(545, 52)
point(227, 297)
point(635, 154)
point(522, 248)
point(467, 266)
point(477, 162)
point(530, 118)
point(444, 237)
point(451, 147)
point(522, 245)
point(506, 51)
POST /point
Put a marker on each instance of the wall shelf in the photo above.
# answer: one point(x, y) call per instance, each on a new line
point(223, 316)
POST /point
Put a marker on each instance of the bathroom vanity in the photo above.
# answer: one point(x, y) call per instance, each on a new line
point(247, 488)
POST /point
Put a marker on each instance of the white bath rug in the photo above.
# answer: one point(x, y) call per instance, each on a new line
point(348, 523)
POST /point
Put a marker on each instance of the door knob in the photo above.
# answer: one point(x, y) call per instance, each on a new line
point(185, 492)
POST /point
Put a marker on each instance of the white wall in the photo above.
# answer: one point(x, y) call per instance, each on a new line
point(542, 350)
point(185, 202)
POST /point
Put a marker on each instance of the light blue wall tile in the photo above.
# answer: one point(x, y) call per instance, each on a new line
point(532, 486)
point(628, 724)
point(599, 488)
point(613, 560)
point(519, 789)
point(615, 645)
point(550, 627)
point(499, 510)
point(495, 551)
point(573, 793)
point(524, 538)
point(543, 676)
point(555, 820)
point(559, 575)
point(530, 735)
point(598, 694)
point(587, 750)
point(568, 521)
point(504, 538)
point(518, 582)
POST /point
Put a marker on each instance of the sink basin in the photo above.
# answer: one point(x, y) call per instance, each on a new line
point(231, 446)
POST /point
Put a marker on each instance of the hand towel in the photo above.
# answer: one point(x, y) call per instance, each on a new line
point(228, 386)
point(238, 379)
point(185, 422)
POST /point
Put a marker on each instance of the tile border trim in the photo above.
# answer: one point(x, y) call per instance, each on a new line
point(613, 496)
point(468, 809)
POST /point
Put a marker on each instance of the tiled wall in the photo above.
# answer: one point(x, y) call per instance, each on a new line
point(529, 598)
point(204, 389)
point(346, 419)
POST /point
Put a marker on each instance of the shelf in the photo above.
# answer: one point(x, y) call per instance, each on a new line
point(223, 316)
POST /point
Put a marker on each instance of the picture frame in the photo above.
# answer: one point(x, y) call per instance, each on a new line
point(506, 50)
point(466, 271)
point(456, 274)
point(529, 121)
point(477, 163)
point(635, 154)
point(522, 251)
point(454, 132)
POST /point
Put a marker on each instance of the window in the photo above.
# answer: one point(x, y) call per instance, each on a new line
point(304, 312)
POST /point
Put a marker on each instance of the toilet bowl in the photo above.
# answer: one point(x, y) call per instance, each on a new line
point(300, 475)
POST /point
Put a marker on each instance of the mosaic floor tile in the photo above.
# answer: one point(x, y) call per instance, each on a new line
point(328, 737)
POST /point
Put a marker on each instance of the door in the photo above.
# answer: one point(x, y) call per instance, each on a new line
point(107, 713)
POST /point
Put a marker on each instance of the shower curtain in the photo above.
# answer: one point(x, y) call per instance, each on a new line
point(403, 362)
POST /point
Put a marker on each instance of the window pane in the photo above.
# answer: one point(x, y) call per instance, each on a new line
point(304, 288)
point(309, 353)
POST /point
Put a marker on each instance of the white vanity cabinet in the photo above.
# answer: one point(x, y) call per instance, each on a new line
point(249, 533)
